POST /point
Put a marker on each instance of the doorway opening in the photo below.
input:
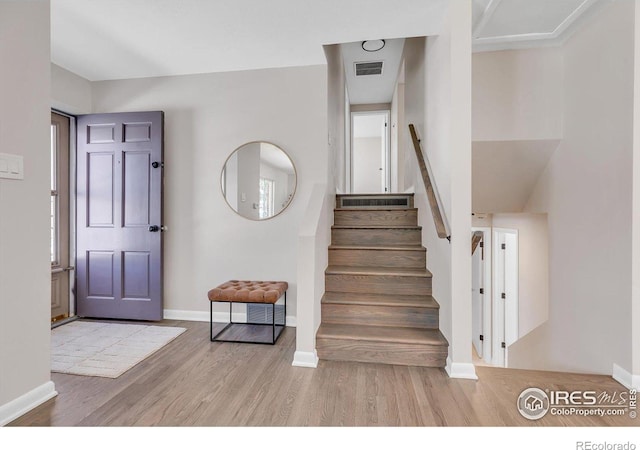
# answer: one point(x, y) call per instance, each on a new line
point(370, 155)
point(61, 212)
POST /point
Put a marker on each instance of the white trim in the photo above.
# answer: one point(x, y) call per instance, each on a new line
point(533, 40)
point(305, 359)
point(486, 16)
point(465, 371)
point(487, 330)
point(203, 316)
point(25, 403)
point(625, 378)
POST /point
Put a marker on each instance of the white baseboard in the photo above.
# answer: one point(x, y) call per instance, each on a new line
point(203, 316)
point(305, 359)
point(625, 378)
point(460, 370)
point(25, 403)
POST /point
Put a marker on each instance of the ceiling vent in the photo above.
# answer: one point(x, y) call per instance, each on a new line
point(368, 68)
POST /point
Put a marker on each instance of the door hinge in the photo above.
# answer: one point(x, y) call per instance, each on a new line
point(503, 345)
point(503, 246)
point(482, 337)
point(504, 296)
point(481, 244)
point(481, 291)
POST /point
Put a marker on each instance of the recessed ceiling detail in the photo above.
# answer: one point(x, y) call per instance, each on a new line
point(509, 24)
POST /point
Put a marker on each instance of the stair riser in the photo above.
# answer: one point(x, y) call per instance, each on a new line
point(372, 201)
point(378, 284)
point(390, 316)
point(400, 217)
point(383, 353)
point(410, 259)
point(368, 237)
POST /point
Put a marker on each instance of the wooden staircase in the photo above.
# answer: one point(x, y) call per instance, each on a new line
point(377, 305)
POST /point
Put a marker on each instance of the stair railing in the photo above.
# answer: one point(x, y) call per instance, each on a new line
point(439, 219)
point(476, 238)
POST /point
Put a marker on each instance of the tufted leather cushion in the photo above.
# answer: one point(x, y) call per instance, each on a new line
point(248, 291)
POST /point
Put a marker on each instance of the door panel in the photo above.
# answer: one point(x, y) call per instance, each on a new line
point(119, 256)
point(477, 299)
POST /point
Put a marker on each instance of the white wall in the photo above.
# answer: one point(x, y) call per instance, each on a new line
point(398, 135)
point(438, 102)
point(206, 118)
point(336, 118)
point(25, 267)
point(249, 181)
point(635, 263)
point(70, 93)
point(586, 190)
point(533, 267)
point(414, 103)
point(517, 95)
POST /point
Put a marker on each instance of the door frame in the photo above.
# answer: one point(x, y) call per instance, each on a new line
point(487, 301)
point(387, 143)
point(505, 320)
point(72, 213)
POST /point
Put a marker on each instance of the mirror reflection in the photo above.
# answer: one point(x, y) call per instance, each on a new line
point(258, 180)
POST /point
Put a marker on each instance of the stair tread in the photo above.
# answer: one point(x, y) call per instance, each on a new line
point(388, 271)
point(395, 247)
point(351, 298)
point(382, 334)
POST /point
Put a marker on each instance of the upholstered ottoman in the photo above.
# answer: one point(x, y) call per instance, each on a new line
point(234, 291)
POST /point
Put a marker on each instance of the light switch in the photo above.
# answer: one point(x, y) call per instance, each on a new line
point(11, 166)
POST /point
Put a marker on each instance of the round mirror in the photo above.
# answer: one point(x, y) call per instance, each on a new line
point(258, 180)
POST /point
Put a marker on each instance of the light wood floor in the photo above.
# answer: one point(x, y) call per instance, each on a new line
point(193, 382)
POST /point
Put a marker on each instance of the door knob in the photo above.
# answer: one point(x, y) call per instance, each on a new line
point(154, 228)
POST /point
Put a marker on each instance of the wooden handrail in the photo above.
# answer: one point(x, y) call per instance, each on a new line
point(475, 240)
point(436, 212)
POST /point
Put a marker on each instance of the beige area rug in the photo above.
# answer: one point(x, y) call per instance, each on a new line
point(105, 349)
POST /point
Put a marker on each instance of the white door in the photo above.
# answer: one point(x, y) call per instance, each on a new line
point(505, 294)
point(370, 152)
point(477, 299)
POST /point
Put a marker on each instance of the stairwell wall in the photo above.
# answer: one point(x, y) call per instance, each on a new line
point(437, 90)
point(586, 190)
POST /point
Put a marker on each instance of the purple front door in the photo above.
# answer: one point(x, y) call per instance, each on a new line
point(119, 215)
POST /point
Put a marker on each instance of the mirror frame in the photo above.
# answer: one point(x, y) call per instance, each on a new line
point(223, 176)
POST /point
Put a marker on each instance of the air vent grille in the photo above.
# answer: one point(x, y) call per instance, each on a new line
point(262, 314)
point(368, 68)
point(373, 202)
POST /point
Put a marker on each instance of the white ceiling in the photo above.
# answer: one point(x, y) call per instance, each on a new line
point(115, 39)
point(505, 173)
point(372, 88)
point(509, 24)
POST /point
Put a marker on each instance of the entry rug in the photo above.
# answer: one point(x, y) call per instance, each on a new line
point(105, 349)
